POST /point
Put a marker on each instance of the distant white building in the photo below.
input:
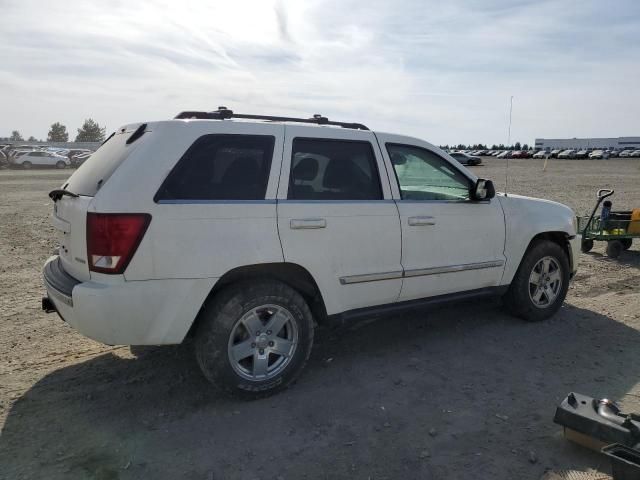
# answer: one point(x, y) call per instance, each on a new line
point(578, 143)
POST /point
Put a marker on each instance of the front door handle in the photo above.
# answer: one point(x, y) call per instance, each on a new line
point(418, 221)
point(309, 223)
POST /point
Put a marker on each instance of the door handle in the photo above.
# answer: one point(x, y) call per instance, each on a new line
point(308, 223)
point(418, 221)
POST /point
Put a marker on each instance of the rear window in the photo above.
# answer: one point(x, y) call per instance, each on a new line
point(221, 167)
point(95, 172)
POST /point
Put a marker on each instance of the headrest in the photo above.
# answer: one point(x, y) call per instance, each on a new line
point(306, 169)
point(397, 159)
point(338, 174)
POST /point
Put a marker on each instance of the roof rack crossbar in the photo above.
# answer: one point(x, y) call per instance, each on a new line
point(224, 113)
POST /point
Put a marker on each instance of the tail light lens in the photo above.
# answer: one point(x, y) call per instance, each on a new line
point(113, 238)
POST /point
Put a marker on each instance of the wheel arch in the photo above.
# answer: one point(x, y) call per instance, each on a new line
point(558, 237)
point(291, 274)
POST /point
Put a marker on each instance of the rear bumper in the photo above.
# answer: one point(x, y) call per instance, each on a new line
point(150, 312)
point(58, 282)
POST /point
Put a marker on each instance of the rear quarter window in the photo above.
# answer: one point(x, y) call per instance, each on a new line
point(221, 167)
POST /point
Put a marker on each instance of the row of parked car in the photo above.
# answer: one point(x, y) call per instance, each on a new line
point(596, 154)
point(29, 156)
point(494, 153)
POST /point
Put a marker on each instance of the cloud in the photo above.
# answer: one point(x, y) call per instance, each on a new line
point(443, 71)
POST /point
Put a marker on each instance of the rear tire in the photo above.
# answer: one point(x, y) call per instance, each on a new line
point(236, 350)
point(614, 248)
point(626, 243)
point(533, 301)
point(26, 165)
point(61, 165)
point(586, 245)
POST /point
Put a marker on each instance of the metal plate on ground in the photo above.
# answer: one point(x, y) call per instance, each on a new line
point(575, 475)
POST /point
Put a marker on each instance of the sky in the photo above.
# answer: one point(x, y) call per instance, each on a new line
point(441, 71)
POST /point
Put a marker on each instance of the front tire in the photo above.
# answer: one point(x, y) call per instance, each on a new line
point(26, 165)
point(626, 243)
point(61, 165)
point(540, 285)
point(254, 338)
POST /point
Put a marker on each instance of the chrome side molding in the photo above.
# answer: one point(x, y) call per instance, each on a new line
point(370, 277)
point(419, 272)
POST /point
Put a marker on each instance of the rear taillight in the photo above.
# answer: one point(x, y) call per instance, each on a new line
point(113, 238)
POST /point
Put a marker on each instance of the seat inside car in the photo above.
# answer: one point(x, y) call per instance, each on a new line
point(305, 171)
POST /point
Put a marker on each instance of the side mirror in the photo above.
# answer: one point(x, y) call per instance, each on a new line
point(483, 190)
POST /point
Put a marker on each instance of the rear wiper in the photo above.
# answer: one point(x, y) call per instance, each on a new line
point(57, 194)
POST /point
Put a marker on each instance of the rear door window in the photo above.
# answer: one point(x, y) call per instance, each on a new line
point(221, 167)
point(324, 169)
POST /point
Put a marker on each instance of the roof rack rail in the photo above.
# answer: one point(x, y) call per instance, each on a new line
point(224, 113)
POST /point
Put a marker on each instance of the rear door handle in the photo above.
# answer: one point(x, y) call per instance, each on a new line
point(418, 221)
point(309, 223)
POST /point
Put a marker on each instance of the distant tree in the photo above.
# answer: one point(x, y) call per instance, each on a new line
point(32, 139)
point(90, 132)
point(517, 146)
point(494, 147)
point(16, 137)
point(525, 147)
point(58, 133)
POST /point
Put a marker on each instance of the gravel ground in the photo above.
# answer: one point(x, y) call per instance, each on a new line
point(461, 392)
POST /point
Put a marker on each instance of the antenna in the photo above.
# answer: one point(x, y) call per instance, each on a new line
point(506, 171)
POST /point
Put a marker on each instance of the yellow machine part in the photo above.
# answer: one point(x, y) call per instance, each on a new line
point(634, 224)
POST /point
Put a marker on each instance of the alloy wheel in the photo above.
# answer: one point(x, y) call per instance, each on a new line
point(545, 282)
point(263, 342)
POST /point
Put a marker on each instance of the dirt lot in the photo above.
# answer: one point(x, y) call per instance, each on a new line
point(462, 392)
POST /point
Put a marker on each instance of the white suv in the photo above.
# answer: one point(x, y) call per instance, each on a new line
point(40, 158)
point(247, 231)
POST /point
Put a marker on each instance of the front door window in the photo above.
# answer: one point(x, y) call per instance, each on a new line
point(423, 175)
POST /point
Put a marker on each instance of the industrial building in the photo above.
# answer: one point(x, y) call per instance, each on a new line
point(618, 143)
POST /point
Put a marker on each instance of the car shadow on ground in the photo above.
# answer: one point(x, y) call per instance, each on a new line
point(630, 258)
point(461, 392)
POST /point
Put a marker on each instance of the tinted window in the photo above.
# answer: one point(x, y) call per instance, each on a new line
point(221, 167)
point(423, 175)
point(333, 170)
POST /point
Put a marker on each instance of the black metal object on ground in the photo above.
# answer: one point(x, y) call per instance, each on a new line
point(625, 462)
point(586, 418)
